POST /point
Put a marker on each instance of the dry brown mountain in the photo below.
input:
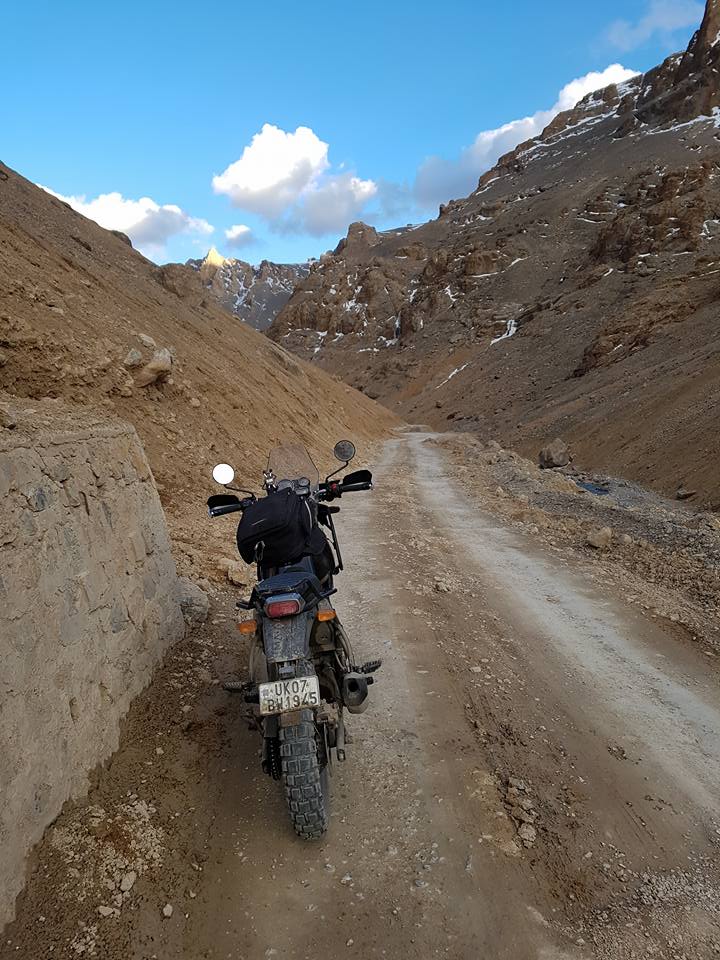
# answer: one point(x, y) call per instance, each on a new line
point(575, 292)
point(86, 320)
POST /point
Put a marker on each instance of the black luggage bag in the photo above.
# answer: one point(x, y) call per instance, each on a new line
point(281, 522)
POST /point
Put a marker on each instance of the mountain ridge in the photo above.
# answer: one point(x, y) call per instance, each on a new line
point(254, 294)
point(573, 287)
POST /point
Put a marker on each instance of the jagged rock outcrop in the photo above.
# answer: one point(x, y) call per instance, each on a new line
point(684, 87)
point(255, 294)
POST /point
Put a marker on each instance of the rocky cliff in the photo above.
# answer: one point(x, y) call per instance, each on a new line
point(573, 292)
point(255, 294)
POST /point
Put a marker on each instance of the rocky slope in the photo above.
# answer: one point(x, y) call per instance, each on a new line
point(575, 291)
point(254, 294)
point(86, 320)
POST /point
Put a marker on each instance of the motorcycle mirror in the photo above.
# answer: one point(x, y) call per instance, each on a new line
point(223, 473)
point(344, 450)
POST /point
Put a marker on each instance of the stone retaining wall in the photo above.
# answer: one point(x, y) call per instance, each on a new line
point(88, 605)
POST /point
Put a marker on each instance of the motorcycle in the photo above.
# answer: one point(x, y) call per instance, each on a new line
point(302, 671)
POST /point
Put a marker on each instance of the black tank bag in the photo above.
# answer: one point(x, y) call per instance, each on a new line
point(282, 522)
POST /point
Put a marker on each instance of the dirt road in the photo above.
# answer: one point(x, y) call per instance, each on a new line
point(538, 777)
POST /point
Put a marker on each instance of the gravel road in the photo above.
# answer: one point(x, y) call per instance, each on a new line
point(537, 777)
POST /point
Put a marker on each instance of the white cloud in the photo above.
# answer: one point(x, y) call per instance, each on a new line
point(274, 170)
point(663, 17)
point(239, 236)
point(395, 200)
point(439, 179)
point(148, 224)
point(330, 205)
point(575, 91)
point(286, 179)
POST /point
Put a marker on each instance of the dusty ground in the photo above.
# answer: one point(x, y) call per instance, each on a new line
point(538, 777)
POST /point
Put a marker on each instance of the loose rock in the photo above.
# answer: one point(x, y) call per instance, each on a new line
point(193, 601)
point(133, 359)
point(527, 834)
point(157, 371)
point(600, 539)
point(555, 454)
point(7, 420)
point(237, 573)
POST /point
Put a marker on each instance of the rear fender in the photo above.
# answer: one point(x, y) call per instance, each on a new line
point(288, 638)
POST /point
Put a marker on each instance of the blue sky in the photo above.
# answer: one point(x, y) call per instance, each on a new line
point(156, 99)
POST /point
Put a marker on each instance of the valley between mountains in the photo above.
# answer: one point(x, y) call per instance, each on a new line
point(538, 775)
point(573, 293)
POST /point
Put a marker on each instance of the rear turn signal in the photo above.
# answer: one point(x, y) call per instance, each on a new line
point(247, 626)
point(282, 608)
point(324, 615)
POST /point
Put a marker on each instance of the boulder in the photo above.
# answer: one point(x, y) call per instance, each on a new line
point(133, 359)
point(600, 539)
point(555, 454)
point(157, 370)
point(193, 603)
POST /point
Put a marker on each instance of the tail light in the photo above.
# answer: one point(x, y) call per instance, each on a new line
point(282, 608)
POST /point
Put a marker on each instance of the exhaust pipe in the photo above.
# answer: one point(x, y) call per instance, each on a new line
point(355, 692)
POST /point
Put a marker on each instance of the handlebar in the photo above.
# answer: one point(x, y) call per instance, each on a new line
point(331, 491)
point(227, 508)
point(328, 491)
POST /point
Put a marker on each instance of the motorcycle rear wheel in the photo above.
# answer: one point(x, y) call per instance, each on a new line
point(305, 781)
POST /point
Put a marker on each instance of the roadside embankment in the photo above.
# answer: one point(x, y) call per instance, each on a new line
point(89, 603)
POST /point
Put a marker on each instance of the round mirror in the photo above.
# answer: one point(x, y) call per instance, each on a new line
point(223, 473)
point(344, 450)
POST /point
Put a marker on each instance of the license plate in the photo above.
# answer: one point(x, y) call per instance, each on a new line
point(282, 696)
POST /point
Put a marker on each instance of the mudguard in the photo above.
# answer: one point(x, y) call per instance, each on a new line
point(287, 638)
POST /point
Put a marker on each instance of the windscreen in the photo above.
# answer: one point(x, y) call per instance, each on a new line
point(291, 461)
